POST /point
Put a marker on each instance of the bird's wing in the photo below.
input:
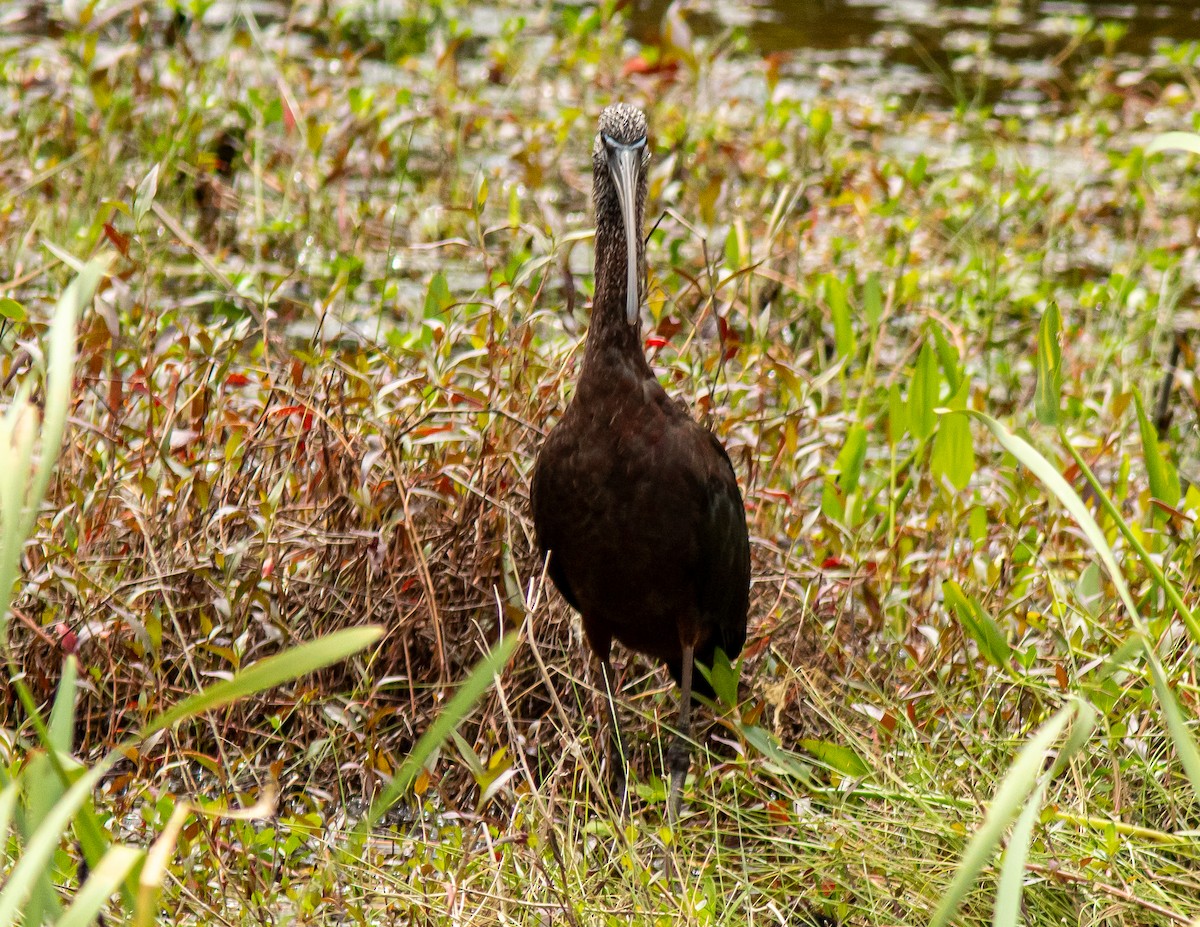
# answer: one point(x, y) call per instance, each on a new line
point(724, 568)
point(544, 524)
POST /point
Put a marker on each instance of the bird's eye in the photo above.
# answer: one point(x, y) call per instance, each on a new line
point(613, 143)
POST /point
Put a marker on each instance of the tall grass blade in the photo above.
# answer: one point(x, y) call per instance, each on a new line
point(1009, 889)
point(447, 720)
point(41, 847)
point(104, 881)
point(268, 673)
point(1018, 783)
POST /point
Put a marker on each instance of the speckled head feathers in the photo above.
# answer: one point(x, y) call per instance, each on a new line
point(623, 123)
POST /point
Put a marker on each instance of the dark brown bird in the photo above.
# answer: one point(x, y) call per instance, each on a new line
point(636, 503)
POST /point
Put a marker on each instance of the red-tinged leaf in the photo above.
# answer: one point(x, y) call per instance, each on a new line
point(778, 494)
point(655, 342)
point(307, 421)
point(669, 326)
point(778, 813)
point(1061, 675)
point(119, 241)
point(408, 584)
point(428, 430)
point(637, 65)
point(67, 639)
point(285, 411)
point(888, 722)
point(289, 118)
point(832, 563)
point(237, 379)
point(268, 566)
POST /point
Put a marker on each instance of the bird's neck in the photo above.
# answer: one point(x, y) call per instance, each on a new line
point(611, 339)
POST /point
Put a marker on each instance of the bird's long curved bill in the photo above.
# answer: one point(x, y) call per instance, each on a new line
point(623, 165)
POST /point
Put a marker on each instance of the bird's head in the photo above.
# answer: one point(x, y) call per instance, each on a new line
point(619, 160)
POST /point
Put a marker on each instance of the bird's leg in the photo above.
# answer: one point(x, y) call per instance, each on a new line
point(616, 746)
point(679, 753)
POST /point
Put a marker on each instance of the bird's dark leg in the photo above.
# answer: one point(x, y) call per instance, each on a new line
point(679, 753)
point(616, 746)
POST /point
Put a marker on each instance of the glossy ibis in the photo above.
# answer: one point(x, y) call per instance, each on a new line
point(635, 502)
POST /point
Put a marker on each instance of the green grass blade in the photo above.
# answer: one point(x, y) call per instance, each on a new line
point(8, 804)
point(1174, 141)
point(40, 848)
point(447, 720)
point(1164, 481)
point(105, 879)
point(1027, 455)
point(1048, 393)
point(1012, 874)
point(923, 394)
point(1018, 783)
point(1185, 744)
point(265, 674)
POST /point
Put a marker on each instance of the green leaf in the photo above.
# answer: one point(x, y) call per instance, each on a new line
point(953, 455)
point(12, 310)
point(143, 197)
point(270, 672)
point(850, 459)
point(947, 358)
point(1174, 141)
point(923, 394)
point(733, 257)
point(723, 676)
point(979, 625)
point(1164, 480)
point(839, 307)
point(1048, 395)
point(837, 757)
point(437, 297)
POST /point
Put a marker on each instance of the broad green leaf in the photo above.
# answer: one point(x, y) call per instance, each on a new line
point(270, 672)
point(1047, 397)
point(1174, 141)
point(1164, 480)
point(953, 454)
point(979, 625)
point(850, 458)
point(733, 257)
point(1185, 743)
point(723, 677)
point(12, 310)
point(447, 720)
point(923, 393)
point(838, 757)
point(437, 297)
point(831, 500)
point(839, 307)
